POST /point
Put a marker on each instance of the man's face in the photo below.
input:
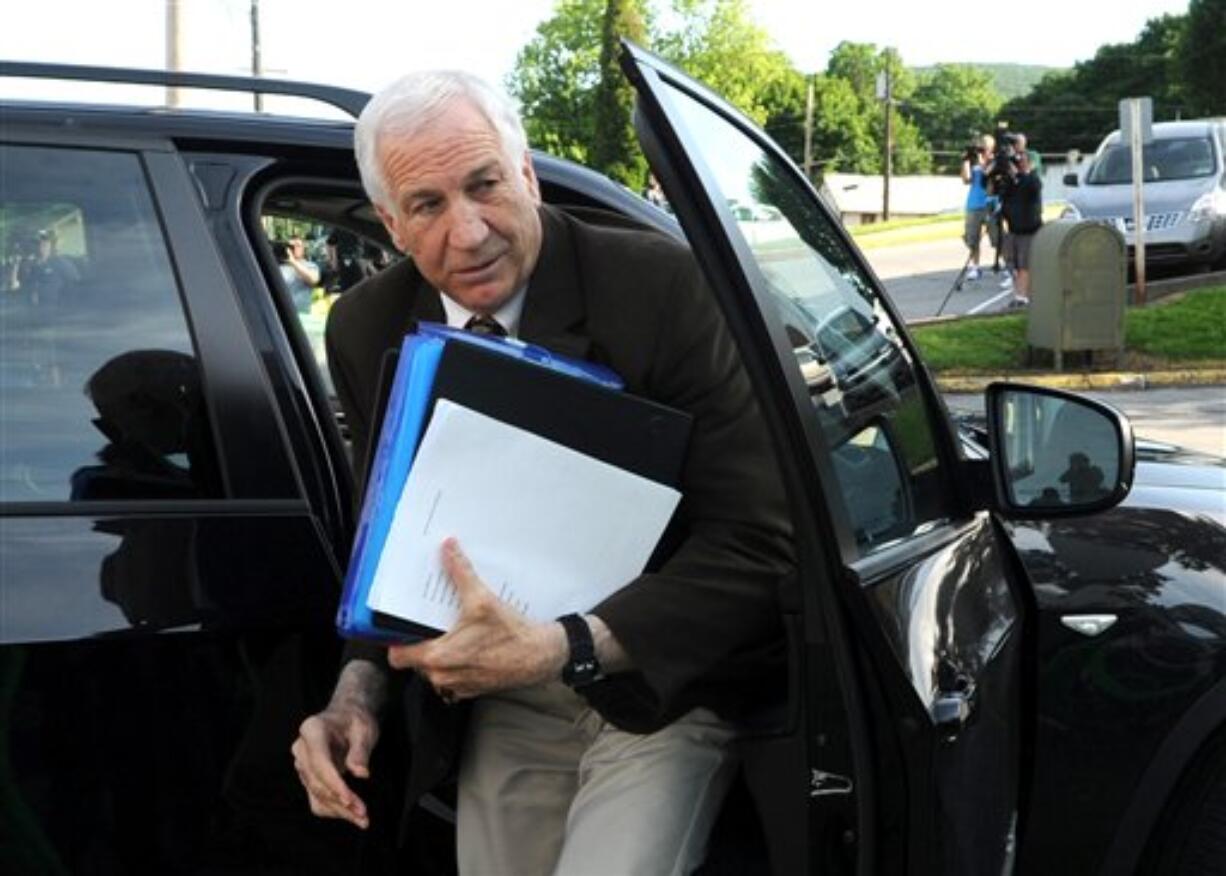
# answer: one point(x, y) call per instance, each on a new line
point(297, 248)
point(461, 209)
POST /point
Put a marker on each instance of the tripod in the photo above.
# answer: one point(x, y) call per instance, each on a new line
point(993, 216)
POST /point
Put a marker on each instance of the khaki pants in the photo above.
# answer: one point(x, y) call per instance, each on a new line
point(547, 787)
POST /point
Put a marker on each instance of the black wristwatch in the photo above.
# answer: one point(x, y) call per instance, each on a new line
point(582, 667)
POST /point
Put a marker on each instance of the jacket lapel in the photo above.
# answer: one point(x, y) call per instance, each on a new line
point(554, 315)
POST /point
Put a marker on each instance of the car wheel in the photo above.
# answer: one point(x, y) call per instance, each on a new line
point(1190, 839)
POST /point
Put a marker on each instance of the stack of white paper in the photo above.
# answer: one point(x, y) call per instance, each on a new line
point(548, 529)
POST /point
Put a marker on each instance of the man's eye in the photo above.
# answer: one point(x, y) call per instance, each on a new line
point(425, 208)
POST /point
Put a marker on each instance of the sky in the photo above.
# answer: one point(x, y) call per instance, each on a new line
point(366, 43)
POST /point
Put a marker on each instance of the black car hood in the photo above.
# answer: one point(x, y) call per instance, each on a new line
point(1179, 479)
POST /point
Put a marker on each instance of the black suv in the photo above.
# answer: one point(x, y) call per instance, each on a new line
point(176, 504)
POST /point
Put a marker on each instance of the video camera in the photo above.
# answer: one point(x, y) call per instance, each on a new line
point(1001, 172)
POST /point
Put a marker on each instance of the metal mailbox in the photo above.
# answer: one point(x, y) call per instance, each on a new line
point(1078, 288)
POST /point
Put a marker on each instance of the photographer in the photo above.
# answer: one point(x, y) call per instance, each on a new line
point(980, 206)
point(1021, 207)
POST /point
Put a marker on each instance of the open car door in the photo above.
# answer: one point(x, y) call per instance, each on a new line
point(899, 748)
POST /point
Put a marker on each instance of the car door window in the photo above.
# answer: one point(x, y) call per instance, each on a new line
point(860, 375)
point(336, 258)
point(100, 389)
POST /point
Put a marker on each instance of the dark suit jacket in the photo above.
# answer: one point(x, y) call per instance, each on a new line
point(704, 627)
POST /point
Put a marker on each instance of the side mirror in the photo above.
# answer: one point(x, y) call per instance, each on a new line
point(1070, 179)
point(1056, 454)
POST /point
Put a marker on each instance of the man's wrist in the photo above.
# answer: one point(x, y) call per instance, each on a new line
point(362, 684)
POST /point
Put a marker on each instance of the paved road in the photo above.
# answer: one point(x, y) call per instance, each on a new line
point(918, 277)
point(1193, 417)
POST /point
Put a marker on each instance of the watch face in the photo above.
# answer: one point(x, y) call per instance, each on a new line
point(580, 672)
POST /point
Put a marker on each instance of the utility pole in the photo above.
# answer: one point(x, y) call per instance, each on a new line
point(257, 69)
point(809, 131)
point(174, 47)
point(885, 90)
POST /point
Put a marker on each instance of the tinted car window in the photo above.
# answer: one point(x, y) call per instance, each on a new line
point(861, 377)
point(99, 384)
point(1185, 158)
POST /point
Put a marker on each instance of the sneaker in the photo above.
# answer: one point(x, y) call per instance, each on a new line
point(1006, 282)
point(972, 274)
point(1017, 302)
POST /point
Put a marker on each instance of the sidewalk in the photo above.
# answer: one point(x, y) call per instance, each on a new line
point(1097, 380)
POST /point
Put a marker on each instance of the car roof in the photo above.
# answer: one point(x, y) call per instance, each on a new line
point(1175, 130)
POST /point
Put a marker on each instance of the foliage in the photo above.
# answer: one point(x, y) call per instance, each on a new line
point(951, 105)
point(720, 45)
point(615, 150)
point(555, 78)
point(1077, 108)
point(1189, 329)
point(567, 78)
point(1201, 57)
point(576, 102)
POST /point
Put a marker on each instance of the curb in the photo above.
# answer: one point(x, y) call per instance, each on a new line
point(1121, 380)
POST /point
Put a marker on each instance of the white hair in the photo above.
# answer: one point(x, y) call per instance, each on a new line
point(414, 101)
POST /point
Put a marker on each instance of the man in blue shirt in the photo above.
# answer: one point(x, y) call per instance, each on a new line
point(980, 206)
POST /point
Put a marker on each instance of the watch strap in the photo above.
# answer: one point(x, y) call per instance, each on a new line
point(581, 667)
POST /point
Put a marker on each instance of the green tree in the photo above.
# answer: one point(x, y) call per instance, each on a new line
point(555, 78)
point(846, 137)
point(1201, 57)
point(558, 76)
point(849, 118)
point(1075, 109)
point(719, 44)
point(951, 105)
point(614, 149)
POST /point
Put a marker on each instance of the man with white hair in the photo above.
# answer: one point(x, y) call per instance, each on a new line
point(595, 742)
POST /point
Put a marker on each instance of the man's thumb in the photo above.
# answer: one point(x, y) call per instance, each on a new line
point(357, 761)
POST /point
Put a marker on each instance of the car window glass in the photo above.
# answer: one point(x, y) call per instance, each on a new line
point(318, 262)
point(99, 383)
point(860, 376)
point(1183, 158)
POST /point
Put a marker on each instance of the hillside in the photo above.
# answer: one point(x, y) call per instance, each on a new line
point(1011, 80)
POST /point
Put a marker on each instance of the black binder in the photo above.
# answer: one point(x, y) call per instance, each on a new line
point(632, 433)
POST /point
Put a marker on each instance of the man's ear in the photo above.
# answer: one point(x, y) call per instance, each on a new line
point(529, 174)
point(389, 222)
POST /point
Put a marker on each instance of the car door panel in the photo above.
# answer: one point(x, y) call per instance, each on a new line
point(167, 584)
point(926, 665)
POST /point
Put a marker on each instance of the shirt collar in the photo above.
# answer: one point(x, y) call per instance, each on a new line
point(507, 315)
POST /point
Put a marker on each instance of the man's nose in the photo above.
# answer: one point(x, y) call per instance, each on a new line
point(468, 227)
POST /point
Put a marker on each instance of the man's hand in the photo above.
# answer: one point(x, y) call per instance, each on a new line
point(490, 647)
point(341, 737)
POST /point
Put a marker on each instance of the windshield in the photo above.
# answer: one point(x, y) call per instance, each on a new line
point(1184, 158)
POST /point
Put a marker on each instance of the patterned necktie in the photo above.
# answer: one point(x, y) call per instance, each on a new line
point(480, 324)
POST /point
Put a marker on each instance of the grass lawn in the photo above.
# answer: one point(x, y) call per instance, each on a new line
point(1183, 331)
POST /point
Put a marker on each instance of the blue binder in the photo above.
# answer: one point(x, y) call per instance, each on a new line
point(578, 404)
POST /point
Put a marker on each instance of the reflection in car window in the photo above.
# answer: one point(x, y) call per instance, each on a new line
point(99, 385)
point(860, 376)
